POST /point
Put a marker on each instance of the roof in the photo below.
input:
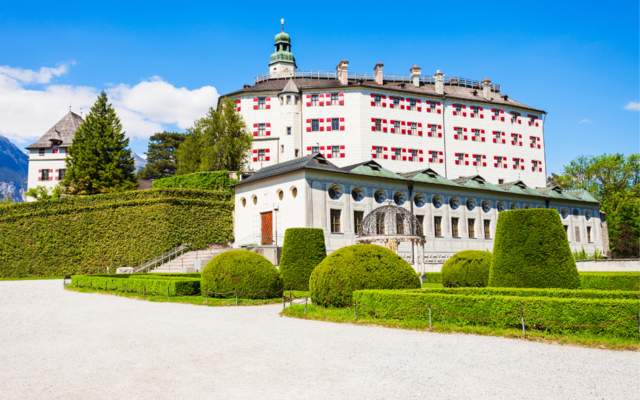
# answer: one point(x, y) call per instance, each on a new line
point(425, 89)
point(519, 187)
point(372, 168)
point(477, 182)
point(290, 87)
point(428, 176)
point(64, 130)
point(314, 161)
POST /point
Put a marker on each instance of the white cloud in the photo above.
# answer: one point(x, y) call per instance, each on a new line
point(585, 121)
point(633, 106)
point(148, 107)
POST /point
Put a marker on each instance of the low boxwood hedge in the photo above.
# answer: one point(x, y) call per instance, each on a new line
point(245, 271)
point(432, 277)
point(563, 310)
point(357, 267)
point(302, 251)
point(467, 268)
point(172, 286)
point(520, 292)
point(611, 280)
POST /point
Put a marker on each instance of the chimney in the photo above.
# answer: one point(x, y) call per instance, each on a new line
point(342, 69)
point(415, 75)
point(486, 89)
point(378, 77)
point(439, 76)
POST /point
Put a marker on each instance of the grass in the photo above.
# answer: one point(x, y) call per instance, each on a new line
point(195, 300)
point(31, 278)
point(347, 316)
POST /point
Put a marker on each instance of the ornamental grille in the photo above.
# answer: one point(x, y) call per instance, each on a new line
point(390, 220)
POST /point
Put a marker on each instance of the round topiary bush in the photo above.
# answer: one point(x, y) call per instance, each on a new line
point(531, 251)
point(242, 270)
point(467, 268)
point(358, 267)
point(302, 251)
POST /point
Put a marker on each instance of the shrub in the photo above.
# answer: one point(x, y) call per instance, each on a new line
point(214, 180)
point(570, 311)
point(467, 268)
point(531, 250)
point(302, 251)
point(611, 280)
point(433, 277)
point(173, 286)
point(357, 267)
point(75, 234)
point(563, 293)
point(245, 271)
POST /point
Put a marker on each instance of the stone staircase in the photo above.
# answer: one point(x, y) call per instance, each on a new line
point(192, 261)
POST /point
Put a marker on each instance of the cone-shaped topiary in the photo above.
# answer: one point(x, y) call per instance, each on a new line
point(467, 268)
point(531, 250)
point(358, 267)
point(245, 271)
point(302, 251)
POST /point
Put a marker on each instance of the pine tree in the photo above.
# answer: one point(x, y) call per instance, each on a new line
point(99, 160)
point(161, 156)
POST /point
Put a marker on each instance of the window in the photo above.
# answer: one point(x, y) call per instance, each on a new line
point(475, 111)
point(400, 225)
point(414, 155)
point(412, 105)
point(44, 175)
point(499, 162)
point(516, 137)
point(315, 125)
point(261, 103)
point(335, 221)
point(62, 151)
point(281, 148)
point(535, 164)
point(496, 114)
point(55, 148)
point(398, 154)
point(261, 155)
point(377, 101)
point(61, 173)
point(358, 216)
point(514, 116)
point(335, 151)
point(297, 153)
point(314, 100)
point(288, 130)
point(577, 234)
point(478, 160)
point(517, 163)
point(414, 128)
point(476, 133)
point(460, 158)
point(589, 234)
point(396, 126)
point(280, 195)
point(334, 99)
point(533, 141)
point(434, 156)
point(500, 181)
point(487, 229)
point(454, 228)
point(378, 125)
point(288, 100)
point(432, 107)
point(295, 100)
point(261, 129)
point(458, 133)
point(566, 231)
point(335, 124)
point(458, 110)
point(437, 226)
point(380, 225)
point(41, 152)
point(497, 137)
point(396, 102)
point(472, 228)
point(433, 130)
point(532, 120)
point(421, 220)
point(315, 149)
point(378, 152)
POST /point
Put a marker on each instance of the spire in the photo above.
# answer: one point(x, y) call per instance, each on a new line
point(283, 48)
point(282, 23)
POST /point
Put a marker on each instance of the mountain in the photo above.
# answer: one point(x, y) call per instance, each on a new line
point(14, 164)
point(139, 162)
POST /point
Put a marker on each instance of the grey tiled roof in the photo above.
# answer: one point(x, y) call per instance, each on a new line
point(64, 130)
point(425, 89)
point(290, 87)
point(313, 161)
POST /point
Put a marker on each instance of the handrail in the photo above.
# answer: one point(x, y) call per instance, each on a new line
point(169, 255)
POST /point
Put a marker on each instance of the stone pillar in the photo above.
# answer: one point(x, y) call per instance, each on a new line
point(439, 77)
point(378, 76)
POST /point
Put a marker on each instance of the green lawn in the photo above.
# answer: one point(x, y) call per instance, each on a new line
point(32, 278)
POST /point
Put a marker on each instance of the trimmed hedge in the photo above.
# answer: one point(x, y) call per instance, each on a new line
point(215, 180)
point(77, 235)
point(302, 251)
point(611, 280)
point(467, 268)
point(242, 270)
point(531, 250)
point(432, 277)
point(357, 267)
point(563, 310)
point(185, 286)
point(560, 293)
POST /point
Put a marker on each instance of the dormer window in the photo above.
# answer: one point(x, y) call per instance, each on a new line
point(315, 149)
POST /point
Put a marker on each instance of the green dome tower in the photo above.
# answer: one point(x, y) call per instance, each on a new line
point(283, 63)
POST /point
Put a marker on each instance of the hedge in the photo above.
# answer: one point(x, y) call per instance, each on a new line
point(432, 277)
point(520, 292)
point(302, 251)
point(185, 286)
point(357, 267)
point(215, 180)
point(76, 235)
point(245, 271)
point(467, 268)
point(611, 280)
point(531, 250)
point(563, 310)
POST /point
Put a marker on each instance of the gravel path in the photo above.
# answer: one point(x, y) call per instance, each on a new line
point(60, 344)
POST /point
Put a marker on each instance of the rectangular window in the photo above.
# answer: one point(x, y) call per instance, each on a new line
point(282, 148)
point(500, 181)
point(535, 164)
point(378, 152)
point(532, 120)
point(261, 129)
point(314, 100)
point(335, 124)
point(433, 130)
point(261, 103)
point(261, 155)
point(566, 231)
point(421, 220)
point(517, 163)
point(41, 152)
point(458, 110)
point(533, 141)
point(315, 149)
point(476, 133)
point(434, 156)
point(398, 154)
point(377, 101)
point(589, 234)
point(487, 229)
point(335, 151)
point(295, 100)
point(432, 107)
point(380, 225)
point(44, 175)
point(335, 221)
point(400, 225)
point(288, 130)
point(516, 137)
point(498, 137)
point(297, 153)
point(437, 226)
point(472, 228)
point(288, 100)
point(334, 99)
point(358, 216)
point(479, 160)
point(499, 162)
point(414, 155)
point(396, 126)
point(61, 173)
point(414, 128)
point(496, 114)
point(577, 234)
point(396, 102)
point(454, 228)
point(514, 116)
point(459, 133)
point(315, 125)
point(461, 159)
point(378, 125)
point(62, 151)
point(55, 149)
point(475, 111)
point(412, 105)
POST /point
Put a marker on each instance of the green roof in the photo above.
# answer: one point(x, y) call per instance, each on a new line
point(428, 176)
point(372, 168)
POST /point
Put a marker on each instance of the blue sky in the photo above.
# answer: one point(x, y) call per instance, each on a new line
point(579, 61)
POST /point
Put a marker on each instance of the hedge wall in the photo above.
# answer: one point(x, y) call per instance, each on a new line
point(432, 277)
point(467, 268)
point(568, 311)
point(215, 180)
point(302, 251)
point(75, 235)
point(560, 293)
point(611, 280)
point(184, 286)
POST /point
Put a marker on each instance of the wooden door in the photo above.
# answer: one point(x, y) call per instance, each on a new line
point(267, 228)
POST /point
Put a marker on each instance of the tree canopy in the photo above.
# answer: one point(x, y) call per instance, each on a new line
point(161, 156)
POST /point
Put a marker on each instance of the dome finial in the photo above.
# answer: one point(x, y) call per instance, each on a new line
point(282, 23)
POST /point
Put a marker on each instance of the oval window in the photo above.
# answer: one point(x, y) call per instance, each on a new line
point(399, 198)
point(294, 192)
point(500, 206)
point(454, 203)
point(357, 193)
point(471, 204)
point(419, 200)
point(437, 201)
point(280, 195)
point(564, 213)
point(527, 207)
point(380, 196)
point(486, 206)
point(244, 202)
point(514, 206)
point(335, 192)
point(255, 200)
point(587, 215)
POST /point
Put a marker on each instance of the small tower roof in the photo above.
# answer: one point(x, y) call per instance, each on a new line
point(63, 131)
point(290, 87)
point(283, 48)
